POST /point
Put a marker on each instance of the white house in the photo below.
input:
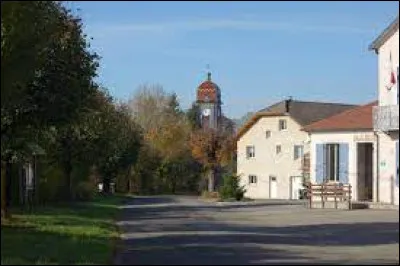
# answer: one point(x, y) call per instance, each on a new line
point(342, 150)
point(386, 114)
point(271, 147)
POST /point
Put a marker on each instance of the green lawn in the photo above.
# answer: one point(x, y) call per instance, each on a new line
point(81, 233)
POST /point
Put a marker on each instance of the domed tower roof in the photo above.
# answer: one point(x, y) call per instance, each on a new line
point(208, 91)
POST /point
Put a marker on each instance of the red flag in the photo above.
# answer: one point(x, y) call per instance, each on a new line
point(392, 78)
point(392, 74)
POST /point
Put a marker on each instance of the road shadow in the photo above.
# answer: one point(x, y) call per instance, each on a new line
point(223, 244)
point(166, 235)
point(194, 254)
point(146, 208)
point(150, 200)
point(357, 234)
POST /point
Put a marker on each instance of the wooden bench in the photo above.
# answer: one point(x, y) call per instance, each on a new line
point(328, 194)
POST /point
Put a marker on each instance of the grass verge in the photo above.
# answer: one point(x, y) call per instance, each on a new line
point(79, 233)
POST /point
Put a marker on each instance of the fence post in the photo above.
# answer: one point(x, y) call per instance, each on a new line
point(350, 192)
point(335, 193)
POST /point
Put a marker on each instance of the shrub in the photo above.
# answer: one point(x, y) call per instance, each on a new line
point(51, 183)
point(85, 190)
point(210, 195)
point(231, 188)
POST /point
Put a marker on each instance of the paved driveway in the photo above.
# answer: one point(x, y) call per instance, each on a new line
point(169, 230)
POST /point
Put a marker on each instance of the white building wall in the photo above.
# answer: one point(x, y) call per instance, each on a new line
point(388, 193)
point(351, 138)
point(266, 163)
point(391, 46)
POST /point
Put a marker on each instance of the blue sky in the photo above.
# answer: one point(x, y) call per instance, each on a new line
point(258, 52)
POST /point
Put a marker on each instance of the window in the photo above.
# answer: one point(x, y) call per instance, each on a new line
point(282, 124)
point(252, 179)
point(278, 149)
point(298, 151)
point(250, 152)
point(267, 134)
point(332, 162)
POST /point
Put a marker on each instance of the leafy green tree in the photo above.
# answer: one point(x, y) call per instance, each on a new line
point(47, 72)
point(144, 171)
point(59, 79)
point(193, 116)
point(27, 29)
point(75, 143)
point(231, 188)
point(118, 145)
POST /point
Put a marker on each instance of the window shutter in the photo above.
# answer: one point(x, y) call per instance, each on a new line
point(344, 163)
point(397, 163)
point(398, 95)
point(320, 164)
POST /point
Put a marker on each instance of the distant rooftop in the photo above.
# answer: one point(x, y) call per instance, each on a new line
point(385, 35)
point(302, 112)
point(307, 112)
point(359, 118)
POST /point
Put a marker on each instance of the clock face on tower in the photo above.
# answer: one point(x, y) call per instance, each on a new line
point(206, 112)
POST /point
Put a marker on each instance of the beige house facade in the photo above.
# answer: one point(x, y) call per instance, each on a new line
point(272, 149)
point(342, 151)
point(386, 115)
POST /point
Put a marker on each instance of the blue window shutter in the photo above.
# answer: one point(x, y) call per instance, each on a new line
point(344, 163)
point(397, 163)
point(320, 164)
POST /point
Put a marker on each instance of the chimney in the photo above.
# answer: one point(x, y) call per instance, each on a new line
point(287, 104)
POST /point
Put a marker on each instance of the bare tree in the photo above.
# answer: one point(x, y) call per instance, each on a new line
point(147, 106)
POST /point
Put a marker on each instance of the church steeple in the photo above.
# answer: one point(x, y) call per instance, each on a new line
point(209, 101)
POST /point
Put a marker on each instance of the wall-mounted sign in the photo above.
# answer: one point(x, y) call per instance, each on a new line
point(364, 137)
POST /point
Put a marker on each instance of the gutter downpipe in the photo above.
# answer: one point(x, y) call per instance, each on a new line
point(377, 148)
point(377, 165)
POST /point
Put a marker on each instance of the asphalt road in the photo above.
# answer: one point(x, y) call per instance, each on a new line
point(182, 230)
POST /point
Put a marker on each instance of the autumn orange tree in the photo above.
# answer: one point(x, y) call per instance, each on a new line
point(169, 139)
point(213, 149)
point(165, 163)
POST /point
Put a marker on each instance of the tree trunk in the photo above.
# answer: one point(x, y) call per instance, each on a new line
point(6, 190)
point(127, 181)
point(143, 187)
point(68, 175)
point(173, 185)
point(36, 181)
point(211, 180)
point(67, 167)
point(3, 190)
point(106, 185)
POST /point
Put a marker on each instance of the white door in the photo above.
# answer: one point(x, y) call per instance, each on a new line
point(297, 184)
point(273, 187)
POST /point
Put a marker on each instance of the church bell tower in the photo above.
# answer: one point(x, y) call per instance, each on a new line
point(209, 102)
